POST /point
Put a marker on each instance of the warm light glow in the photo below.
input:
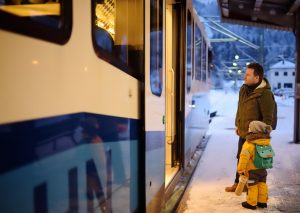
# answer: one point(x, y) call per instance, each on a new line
point(230, 71)
point(105, 16)
point(247, 63)
point(234, 64)
point(236, 57)
point(239, 71)
point(26, 10)
point(35, 62)
point(85, 68)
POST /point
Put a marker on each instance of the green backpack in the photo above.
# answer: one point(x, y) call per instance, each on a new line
point(263, 157)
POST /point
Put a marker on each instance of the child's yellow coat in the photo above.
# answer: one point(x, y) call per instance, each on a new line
point(246, 161)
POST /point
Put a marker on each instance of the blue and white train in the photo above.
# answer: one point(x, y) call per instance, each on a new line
point(103, 103)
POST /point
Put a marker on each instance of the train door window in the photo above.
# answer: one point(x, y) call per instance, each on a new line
point(189, 62)
point(156, 46)
point(118, 33)
point(198, 42)
point(50, 20)
point(204, 61)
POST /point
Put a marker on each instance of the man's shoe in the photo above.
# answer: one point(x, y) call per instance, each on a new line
point(262, 205)
point(248, 206)
point(231, 188)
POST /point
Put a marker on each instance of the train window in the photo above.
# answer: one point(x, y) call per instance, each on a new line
point(189, 64)
point(50, 20)
point(156, 46)
point(118, 34)
point(198, 42)
point(193, 49)
point(204, 61)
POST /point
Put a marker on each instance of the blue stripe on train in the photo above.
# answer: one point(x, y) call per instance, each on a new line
point(24, 142)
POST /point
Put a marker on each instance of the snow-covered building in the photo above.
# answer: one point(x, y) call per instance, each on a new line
point(282, 75)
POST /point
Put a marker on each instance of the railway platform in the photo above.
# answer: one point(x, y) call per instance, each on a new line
point(216, 168)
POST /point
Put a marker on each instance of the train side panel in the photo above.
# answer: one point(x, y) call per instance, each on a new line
point(197, 84)
point(70, 125)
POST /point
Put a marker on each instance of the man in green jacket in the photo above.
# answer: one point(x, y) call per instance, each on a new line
point(256, 102)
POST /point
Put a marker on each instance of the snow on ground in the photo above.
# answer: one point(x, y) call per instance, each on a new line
point(216, 168)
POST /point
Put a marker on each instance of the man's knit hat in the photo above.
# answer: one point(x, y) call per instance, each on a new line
point(259, 127)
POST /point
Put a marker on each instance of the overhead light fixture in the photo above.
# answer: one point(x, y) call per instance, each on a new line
point(225, 12)
point(272, 12)
point(253, 18)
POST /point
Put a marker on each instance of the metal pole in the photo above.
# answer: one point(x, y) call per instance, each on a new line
point(297, 81)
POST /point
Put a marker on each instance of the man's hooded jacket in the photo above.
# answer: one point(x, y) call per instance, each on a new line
point(254, 105)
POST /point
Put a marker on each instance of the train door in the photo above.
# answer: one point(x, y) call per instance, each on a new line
point(172, 98)
point(154, 92)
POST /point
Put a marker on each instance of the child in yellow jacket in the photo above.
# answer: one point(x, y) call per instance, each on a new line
point(257, 195)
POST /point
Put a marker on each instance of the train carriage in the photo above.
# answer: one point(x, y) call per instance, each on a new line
point(103, 103)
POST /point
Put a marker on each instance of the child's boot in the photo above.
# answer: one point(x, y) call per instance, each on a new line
point(248, 206)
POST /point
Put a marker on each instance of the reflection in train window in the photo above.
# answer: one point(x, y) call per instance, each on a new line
point(156, 47)
point(50, 20)
point(118, 33)
point(189, 64)
point(198, 41)
point(204, 61)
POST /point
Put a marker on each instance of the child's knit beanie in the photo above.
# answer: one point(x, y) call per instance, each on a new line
point(259, 127)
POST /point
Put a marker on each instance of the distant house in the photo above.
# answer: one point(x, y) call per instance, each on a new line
point(282, 75)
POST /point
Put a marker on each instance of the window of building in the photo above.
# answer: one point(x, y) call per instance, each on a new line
point(285, 73)
point(276, 73)
point(50, 20)
point(293, 73)
point(118, 33)
point(287, 85)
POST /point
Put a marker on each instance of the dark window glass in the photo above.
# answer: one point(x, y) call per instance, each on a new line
point(118, 33)
point(279, 85)
point(189, 65)
point(293, 73)
point(198, 41)
point(156, 46)
point(193, 49)
point(287, 85)
point(276, 73)
point(285, 73)
point(204, 61)
point(49, 20)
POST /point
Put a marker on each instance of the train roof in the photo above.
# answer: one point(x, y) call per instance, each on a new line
point(206, 32)
point(275, 14)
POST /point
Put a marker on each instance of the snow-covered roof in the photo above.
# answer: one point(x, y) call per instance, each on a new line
point(284, 64)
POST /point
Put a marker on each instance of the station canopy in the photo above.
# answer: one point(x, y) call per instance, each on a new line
point(275, 14)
